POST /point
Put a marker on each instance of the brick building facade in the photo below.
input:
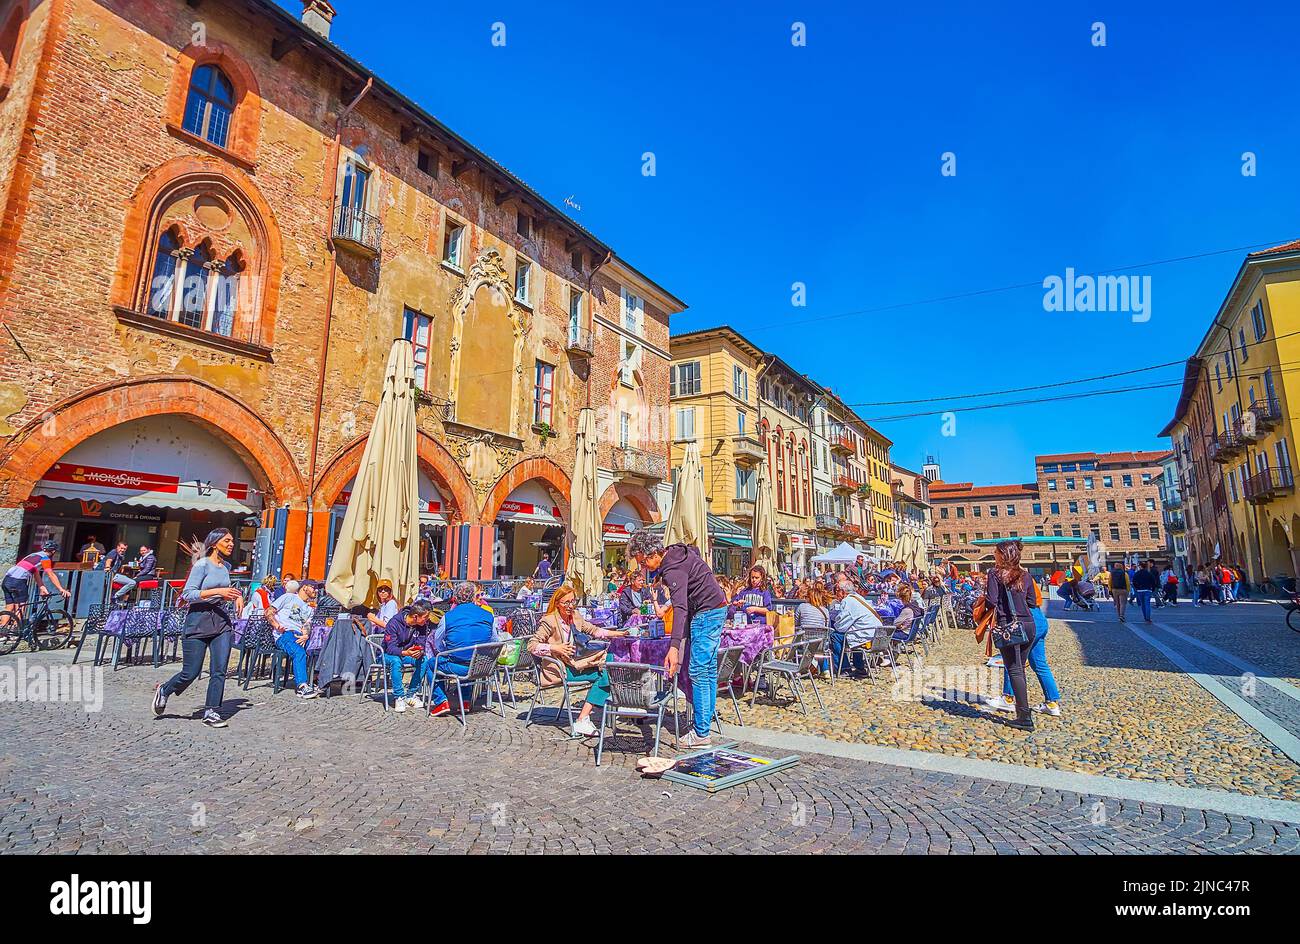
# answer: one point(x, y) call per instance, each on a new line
point(214, 224)
point(1111, 495)
point(1114, 496)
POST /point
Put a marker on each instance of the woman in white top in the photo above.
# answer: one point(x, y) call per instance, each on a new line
point(387, 606)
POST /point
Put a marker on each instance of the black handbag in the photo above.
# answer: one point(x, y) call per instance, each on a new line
point(1008, 632)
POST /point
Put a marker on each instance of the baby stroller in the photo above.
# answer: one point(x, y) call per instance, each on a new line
point(1081, 596)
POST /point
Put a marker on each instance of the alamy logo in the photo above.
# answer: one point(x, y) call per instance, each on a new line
point(1127, 293)
point(75, 897)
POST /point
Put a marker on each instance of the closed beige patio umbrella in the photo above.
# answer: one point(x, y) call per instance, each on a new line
point(586, 545)
point(763, 533)
point(380, 535)
point(688, 521)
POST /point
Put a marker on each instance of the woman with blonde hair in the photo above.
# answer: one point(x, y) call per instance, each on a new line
point(563, 635)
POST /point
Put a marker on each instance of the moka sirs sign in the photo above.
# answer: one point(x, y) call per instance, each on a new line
point(88, 898)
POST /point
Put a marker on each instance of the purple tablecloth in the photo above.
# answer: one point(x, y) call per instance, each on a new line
point(116, 621)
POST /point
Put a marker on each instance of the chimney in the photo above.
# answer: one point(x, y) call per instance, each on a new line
point(318, 15)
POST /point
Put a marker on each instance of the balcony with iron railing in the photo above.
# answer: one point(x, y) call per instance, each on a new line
point(637, 463)
point(844, 483)
point(1227, 445)
point(357, 231)
point(841, 441)
point(852, 530)
point(1268, 412)
point(580, 342)
point(829, 522)
point(1173, 501)
point(1176, 523)
point(1268, 484)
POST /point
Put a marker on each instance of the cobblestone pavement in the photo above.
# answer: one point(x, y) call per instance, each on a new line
point(341, 776)
point(1127, 710)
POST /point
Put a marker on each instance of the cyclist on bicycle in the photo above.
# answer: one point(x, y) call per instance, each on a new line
point(33, 568)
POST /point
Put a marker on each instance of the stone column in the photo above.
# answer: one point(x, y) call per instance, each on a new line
point(11, 526)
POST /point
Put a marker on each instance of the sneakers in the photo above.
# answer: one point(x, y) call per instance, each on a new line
point(693, 740)
point(583, 728)
point(159, 701)
point(212, 719)
point(442, 708)
point(415, 701)
point(1000, 703)
point(400, 705)
point(1027, 725)
point(1049, 708)
point(306, 691)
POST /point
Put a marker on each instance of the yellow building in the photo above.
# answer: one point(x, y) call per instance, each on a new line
point(787, 400)
point(712, 394)
point(882, 490)
point(1236, 400)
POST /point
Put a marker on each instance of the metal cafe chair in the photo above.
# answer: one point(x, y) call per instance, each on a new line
point(729, 666)
point(96, 618)
point(796, 670)
point(481, 671)
point(635, 691)
point(569, 689)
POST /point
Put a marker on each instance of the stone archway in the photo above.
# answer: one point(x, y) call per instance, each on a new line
point(433, 458)
point(637, 496)
point(43, 442)
point(488, 271)
point(544, 470)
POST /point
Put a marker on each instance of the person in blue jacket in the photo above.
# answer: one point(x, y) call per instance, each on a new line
point(466, 624)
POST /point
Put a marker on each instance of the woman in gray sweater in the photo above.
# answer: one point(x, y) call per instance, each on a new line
point(207, 627)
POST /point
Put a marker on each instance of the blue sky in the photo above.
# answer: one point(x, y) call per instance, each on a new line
point(821, 164)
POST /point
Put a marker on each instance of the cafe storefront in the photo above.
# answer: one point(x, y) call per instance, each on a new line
point(528, 525)
point(149, 482)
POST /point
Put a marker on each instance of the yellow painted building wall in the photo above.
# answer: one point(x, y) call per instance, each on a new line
point(1269, 528)
point(716, 407)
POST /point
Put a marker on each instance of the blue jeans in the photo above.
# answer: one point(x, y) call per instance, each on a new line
point(192, 652)
point(706, 634)
point(856, 658)
point(395, 664)
point(1144, 598)
point(288, 643)
point(446, 665)
point(1037, 661)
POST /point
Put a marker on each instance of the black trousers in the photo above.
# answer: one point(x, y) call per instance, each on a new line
point(1015, 658)
point(193, 649)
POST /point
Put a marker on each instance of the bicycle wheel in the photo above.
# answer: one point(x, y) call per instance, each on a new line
point(1293, 619)
point(11, 631)
point(57, 632)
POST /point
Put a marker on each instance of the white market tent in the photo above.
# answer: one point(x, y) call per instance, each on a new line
point(846, 553)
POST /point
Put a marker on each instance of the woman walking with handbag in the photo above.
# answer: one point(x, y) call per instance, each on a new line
point(207, 626)
point(1010, 594)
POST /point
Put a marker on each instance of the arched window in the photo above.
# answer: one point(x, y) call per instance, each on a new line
point(226, 301)
point(162, 287)
point(209, 105)
point(194, 295)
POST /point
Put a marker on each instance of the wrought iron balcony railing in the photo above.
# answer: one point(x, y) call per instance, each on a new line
point(358, 231)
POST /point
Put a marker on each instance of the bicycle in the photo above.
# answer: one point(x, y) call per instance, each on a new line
point(43, 628)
